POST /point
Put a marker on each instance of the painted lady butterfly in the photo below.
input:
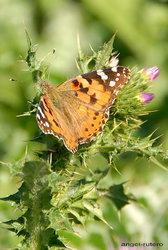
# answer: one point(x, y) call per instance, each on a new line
point(76, 110)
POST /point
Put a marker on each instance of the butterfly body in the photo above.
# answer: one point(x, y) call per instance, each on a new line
point(76, 110)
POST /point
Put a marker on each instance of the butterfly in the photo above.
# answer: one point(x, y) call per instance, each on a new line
point(77, 110)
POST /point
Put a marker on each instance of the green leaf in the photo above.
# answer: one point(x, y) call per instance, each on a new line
point(95, 209)
point(70, 239)
point(117, 195)
point(32, 62)
point(103, 56)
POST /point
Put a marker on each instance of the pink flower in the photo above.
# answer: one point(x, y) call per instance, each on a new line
point(152, 72)
point(145, 97)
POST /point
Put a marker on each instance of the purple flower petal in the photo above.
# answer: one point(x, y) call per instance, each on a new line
point(152, 72)
point(145, 97)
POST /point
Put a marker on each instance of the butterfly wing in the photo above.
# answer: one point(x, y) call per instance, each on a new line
point(97, 89)
point(82, 109)
point(90, 96)
point(90, 123)
point(53, 121)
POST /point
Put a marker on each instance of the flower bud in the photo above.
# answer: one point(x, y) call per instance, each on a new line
point(152, 72)
point(145, 97)
point(113, 61)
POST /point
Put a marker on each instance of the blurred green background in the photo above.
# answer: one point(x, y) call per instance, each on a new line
point(142, 39)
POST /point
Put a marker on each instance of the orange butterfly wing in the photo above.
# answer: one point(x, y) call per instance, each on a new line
point(98, 89)
point(52, 121)
point(77, 110)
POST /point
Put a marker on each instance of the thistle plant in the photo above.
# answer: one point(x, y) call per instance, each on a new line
point(60, 191)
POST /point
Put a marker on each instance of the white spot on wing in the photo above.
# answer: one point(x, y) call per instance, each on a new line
point(47, 124)
point(112, 83)
point(41, 112)
point(104, 77)
point(113, 101)
point(38, 116)
point(114, 69)
point(101, 73)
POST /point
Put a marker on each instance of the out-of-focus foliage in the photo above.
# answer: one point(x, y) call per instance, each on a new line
point(141, 39)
